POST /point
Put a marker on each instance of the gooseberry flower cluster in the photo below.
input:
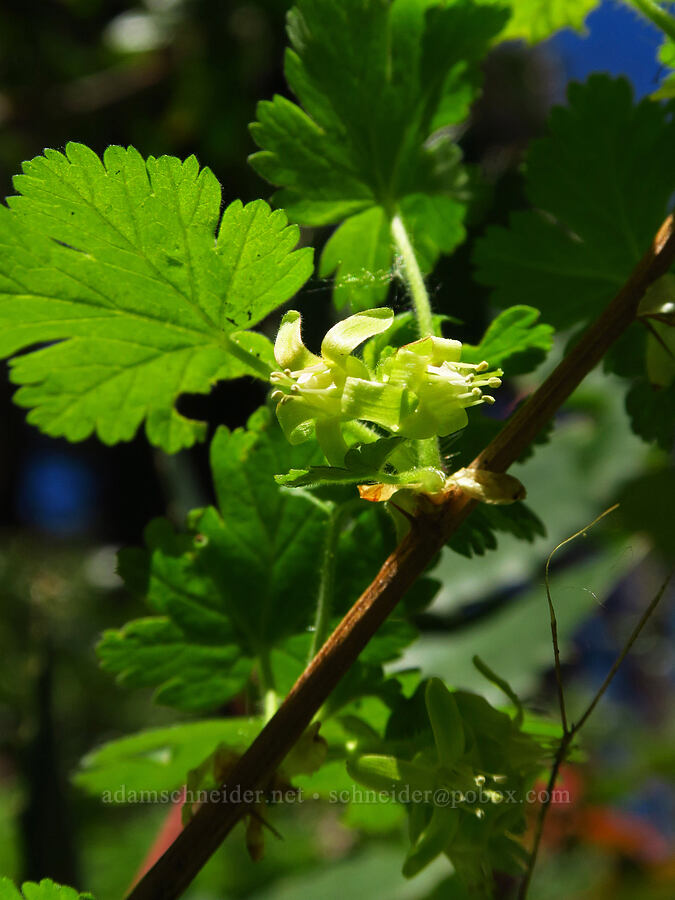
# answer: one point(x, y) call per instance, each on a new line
point(418, 391)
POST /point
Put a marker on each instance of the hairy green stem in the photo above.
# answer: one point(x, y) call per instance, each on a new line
point(413, 277)
point(656, 14)
point(324, 604)
point(428, 450)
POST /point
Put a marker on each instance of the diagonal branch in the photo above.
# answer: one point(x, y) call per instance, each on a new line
point(174, 871)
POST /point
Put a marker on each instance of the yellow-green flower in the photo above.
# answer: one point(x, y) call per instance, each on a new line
point(440, 386)
point(419, 391)
point(309, 388)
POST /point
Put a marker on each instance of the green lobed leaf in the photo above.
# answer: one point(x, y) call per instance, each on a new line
point(651, 412)
point(340, 156)
point(600, 185)
point(536, 20)
point(143, 290)
point(512, 341)
point(477, 533)
point(239, 584)
point(364, 544)
point(159, 759)
point(44, 890)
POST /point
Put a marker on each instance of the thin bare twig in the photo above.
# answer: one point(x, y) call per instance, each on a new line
point(558, 760)
point(176, 868)
point(570, 733)
point(554, 621)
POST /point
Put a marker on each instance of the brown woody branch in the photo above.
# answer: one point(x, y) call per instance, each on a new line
point(174, 871)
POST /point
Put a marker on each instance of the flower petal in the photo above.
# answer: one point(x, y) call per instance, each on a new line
point(352, 331)
point(289, 351)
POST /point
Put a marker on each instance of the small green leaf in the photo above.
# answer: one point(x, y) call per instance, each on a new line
point(359, 254)
point(477, 533)
point(372, 456)
point(318, 476)
point(536, 20)
point(126, 268)
point(503, 686)
point(45, 890)
point(650, 410)
point(513, 342)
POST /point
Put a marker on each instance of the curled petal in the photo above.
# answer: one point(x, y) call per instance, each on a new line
point(289, 351)
point(352, 331)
